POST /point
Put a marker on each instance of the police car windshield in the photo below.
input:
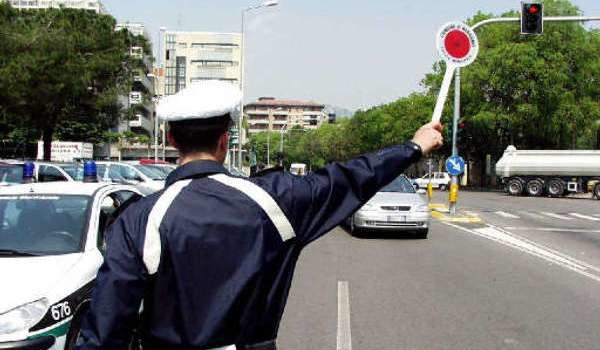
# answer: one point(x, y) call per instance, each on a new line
point(43, 224)
point(401, 184)
point(152, 173)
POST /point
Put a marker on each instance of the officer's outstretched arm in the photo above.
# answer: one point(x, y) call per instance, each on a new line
point(118, 293)
point(329, 196)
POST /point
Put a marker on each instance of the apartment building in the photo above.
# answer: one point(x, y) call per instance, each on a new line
point(92, 5)
point(142, 92)
point(190, 57)
point(271, 114)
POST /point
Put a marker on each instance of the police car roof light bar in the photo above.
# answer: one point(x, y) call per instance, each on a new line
point(28, 172)
point(90, 172)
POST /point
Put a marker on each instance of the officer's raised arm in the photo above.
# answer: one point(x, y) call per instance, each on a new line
point(327, 197)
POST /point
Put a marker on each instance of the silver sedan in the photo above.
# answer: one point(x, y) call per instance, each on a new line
point(397, 207)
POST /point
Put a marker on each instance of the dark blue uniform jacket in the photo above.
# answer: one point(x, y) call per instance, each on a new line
point(219, 270)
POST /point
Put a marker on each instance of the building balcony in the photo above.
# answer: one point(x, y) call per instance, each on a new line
point(142, 79)
point(258, 122)
point(141, 122)
point(205, 55)
point(256, 112)
point(216, 72)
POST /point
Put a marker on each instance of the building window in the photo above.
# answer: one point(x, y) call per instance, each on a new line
point(215, 63)
point(214, 45)
point(180, 73)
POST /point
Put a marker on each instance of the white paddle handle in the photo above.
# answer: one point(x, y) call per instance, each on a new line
point(441, 101)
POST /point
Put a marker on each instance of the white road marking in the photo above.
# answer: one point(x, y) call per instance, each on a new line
point(586, 217)
point(550, 229)
point(557, 216)
point(506, 215)
point(472, 213)
point(344, 336)
point(533, 215)
point(522, 244)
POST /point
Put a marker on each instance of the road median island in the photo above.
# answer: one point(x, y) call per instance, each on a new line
point(441, 212)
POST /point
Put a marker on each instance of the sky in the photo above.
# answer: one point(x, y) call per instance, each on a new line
point(348, 53)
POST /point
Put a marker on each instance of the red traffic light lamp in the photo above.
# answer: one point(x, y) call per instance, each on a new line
point(534, 9)
point(532, 18)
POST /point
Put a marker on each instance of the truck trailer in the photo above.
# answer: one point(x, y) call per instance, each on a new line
point(552, 173)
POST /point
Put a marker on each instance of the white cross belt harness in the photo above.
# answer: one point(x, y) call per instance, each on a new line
point(152, 245)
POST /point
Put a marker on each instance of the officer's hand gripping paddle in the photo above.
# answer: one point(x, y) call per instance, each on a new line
point(458, 45)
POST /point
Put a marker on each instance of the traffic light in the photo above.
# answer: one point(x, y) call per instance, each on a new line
point(532, 18)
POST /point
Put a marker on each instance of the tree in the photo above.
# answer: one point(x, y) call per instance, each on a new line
point(537, 92)
point(61, 72)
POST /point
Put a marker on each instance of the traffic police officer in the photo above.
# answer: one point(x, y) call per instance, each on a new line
point(212, 255)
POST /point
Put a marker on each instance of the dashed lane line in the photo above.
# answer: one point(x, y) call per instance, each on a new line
point(533, 215)
point(557, 216)
point(585, 217)
point(344, 336)
point(507, 215)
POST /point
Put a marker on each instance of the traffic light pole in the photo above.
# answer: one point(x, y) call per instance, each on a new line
point(546, 19)
point(453, 195)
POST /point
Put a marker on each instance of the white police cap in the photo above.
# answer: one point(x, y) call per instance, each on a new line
point(201, 100)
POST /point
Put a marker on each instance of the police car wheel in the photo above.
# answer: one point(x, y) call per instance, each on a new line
point(597, 191)
point(443, 187)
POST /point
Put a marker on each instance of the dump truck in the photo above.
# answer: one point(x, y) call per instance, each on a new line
point(551, 173)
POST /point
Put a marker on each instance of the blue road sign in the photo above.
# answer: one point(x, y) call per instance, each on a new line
point(455, 165)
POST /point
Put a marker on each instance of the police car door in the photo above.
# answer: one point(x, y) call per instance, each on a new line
point(107, 208)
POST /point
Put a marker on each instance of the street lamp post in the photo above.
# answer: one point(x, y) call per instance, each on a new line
point(155, 100)
point(266, 3)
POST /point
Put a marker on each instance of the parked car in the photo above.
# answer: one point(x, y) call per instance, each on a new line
point(51, 247)
point(397, 207)
point(439, 180)
point(46, 172)
point(146, 179)
point(166, 169)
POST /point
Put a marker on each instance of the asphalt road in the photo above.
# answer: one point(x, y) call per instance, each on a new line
point(501, 284)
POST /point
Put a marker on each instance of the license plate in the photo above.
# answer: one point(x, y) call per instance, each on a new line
point(400, 219)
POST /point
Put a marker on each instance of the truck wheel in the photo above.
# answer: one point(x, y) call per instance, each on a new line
point(597, 191)
point(535, 188)
point(515, 187)
point(555, 188)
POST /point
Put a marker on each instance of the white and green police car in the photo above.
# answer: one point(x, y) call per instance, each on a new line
point(51, 247)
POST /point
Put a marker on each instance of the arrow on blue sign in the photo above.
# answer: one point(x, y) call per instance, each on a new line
point(455, 165)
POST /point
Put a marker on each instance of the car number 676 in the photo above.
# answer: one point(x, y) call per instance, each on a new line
point(60, 311)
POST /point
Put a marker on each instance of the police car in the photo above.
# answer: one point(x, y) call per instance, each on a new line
point(51, 247)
